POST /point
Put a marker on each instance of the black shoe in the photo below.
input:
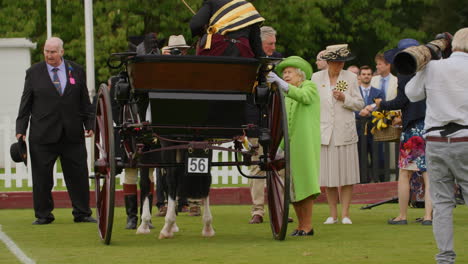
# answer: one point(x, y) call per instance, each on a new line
point(426, 222)
point(43, 221)
point(303, 233)
point(290, 220)
point(397, 222)
point(85, 219)
point(294, 233)
point(131, 223)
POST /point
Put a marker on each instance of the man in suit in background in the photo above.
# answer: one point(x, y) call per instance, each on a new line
point(56, 103)
point(385, 80)
point(363, 122)
point(257, 186)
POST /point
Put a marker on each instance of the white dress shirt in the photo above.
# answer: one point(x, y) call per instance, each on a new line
point(445, 85)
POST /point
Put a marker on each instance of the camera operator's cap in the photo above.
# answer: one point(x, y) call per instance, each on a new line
point(19, 152)
point(176, 42)
point(295, 62)
point(338, 52)
point(389, 55)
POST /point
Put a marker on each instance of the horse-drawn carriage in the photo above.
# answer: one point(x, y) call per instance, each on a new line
point(198, 102)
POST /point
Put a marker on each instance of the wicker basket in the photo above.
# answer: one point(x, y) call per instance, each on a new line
point(389, 133)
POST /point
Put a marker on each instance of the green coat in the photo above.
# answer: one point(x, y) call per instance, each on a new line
point(303, 112)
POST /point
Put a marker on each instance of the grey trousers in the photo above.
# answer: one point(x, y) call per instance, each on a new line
point(446, 163)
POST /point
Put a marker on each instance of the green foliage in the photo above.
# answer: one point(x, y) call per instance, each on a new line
point(304, 26)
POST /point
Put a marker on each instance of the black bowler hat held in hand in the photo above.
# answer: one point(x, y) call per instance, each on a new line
point(19, 152)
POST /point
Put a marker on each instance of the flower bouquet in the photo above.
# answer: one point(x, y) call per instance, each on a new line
point(383, 129)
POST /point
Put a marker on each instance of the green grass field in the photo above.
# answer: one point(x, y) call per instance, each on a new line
point(368, 240)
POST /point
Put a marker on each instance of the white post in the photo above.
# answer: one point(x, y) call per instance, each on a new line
point(89, 34)
point(49, 19)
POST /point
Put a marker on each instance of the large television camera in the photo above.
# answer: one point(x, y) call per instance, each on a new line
point(413, 59)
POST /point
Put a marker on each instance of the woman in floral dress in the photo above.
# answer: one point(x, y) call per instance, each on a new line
point(412, 144)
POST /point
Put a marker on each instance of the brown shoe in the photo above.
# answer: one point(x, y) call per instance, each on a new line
point(162, 211)
point(256, 219)
point(195, 210)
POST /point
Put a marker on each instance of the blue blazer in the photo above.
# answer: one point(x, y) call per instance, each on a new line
point(360, 121)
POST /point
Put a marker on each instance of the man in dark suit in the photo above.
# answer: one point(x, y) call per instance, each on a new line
point(364, 121)
point(55, 102)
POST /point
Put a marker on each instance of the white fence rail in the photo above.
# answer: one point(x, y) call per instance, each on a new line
point(15, 178)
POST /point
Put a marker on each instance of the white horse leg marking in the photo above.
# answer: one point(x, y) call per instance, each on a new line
point(208, 230)
point(169, 226)
point(145, 218)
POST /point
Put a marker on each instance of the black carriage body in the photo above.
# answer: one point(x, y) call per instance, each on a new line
point(194, 99)
point(196, 96)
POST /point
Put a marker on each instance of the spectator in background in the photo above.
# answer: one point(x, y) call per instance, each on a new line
point(268, 36)
point(364, 125)
point(354, 69)
point(257, 186)
point(443, 83)
point(321, 64)
point(385, 80)
point(55, 105)
point(412, 144)
point(339, 98)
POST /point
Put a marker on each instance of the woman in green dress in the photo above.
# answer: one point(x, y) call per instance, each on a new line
point(303, 113)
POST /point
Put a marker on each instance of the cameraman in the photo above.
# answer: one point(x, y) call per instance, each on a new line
point(443, 83)
point(176, 46)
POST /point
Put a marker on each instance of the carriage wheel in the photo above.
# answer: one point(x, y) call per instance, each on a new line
point(278, 184)
point(104, 165)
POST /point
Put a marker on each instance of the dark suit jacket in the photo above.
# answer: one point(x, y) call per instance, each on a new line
point(373, 94)
point(49, 113)
point(410, 111)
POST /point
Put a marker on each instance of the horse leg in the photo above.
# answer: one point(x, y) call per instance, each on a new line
point(144, 227)
point(208, 230)
point(169, 226)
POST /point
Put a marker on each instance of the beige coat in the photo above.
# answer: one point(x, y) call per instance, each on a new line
point(335, 116)
point(392, 86)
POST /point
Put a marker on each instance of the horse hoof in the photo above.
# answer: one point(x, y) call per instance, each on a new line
point(208, 232)
point(143, 230)
point(165, 236)
point(175, 228)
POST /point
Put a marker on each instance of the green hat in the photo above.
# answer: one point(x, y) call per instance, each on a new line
point(296, 62)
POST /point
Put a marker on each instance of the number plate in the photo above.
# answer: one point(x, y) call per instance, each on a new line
point(197, 165)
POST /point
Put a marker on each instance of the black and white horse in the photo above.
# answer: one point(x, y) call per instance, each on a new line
point(179, 183)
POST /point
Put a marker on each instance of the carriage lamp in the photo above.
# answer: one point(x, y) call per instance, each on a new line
point(262, 93)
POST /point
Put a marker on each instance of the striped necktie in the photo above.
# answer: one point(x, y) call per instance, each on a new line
point(366, 95)
point(56, 81)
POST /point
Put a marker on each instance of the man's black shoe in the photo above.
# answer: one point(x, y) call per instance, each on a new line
point(85, 219)
point(43, 221)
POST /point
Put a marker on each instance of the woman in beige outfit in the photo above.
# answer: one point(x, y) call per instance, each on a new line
point(339, 97)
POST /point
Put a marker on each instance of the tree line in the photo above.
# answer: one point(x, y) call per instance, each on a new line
point(304, 26)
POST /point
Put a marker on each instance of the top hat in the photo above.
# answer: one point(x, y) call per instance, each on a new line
point(19, 151)
point(389, 55)
point(338, 52)
point(176, 42)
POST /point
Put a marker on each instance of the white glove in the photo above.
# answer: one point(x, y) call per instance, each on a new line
point(273, 78)
point(279, 154)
